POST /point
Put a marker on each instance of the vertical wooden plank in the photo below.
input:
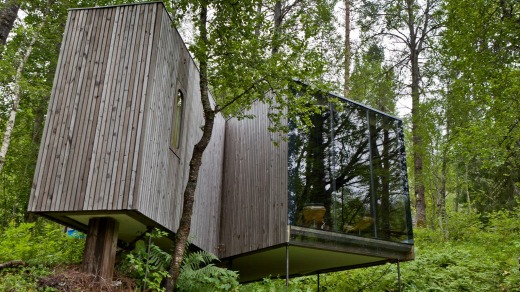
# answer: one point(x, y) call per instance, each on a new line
point(113, 102)
point(137, 167)
point(40, 166)
point(72, 110)
point(63, 114)
point(116, 131)
point(100, 125)
point(138, 88)
point(77, 118)
point(54, 112)
point(129, 105)
point(90, 99)
point(258, 191)
point(95, 107)
point(76, 146)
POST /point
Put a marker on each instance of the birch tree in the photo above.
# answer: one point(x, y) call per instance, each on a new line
point(25, 53)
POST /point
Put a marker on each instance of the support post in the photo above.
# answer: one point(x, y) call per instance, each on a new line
point(399, 275)
point(287, 267)
point(100, 247)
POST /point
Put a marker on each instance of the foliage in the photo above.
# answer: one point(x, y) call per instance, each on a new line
point(251, 59)
point(198, 273)
point(473, 254)
point(480, 53)
point(40, 243)
point(22, 279)
point(373, 82)
point(301, 284)
point(147, 263)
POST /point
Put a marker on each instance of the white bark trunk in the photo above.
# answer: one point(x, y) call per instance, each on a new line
point(16, 99)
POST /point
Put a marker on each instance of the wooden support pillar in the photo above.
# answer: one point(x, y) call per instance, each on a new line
point(100, 247)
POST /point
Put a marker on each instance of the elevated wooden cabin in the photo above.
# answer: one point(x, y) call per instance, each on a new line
point(333, 197)
point(124, 115)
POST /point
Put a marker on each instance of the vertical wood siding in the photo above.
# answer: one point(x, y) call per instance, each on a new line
point(87, 160)
point(254, 198)
point(163, 174)
point(106, 143)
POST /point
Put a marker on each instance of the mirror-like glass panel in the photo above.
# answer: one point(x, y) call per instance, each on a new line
point(347, 174)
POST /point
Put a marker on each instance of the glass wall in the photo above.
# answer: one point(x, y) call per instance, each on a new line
point(347, 174)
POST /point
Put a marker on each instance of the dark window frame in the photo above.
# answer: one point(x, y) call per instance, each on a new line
point(177, 121)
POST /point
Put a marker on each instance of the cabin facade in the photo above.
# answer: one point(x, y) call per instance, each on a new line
point(124, 115)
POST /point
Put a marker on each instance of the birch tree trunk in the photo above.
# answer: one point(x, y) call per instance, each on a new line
point(16, 98)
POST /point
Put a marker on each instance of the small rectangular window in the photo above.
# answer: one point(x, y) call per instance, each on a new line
point(177, 119)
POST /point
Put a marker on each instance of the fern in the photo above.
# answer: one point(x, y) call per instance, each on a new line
point(198, 273)
point(158, 258)
point(149, 265)
point(196, 260)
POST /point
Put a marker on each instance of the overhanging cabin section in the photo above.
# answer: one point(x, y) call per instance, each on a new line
point(125, 86)
point(343, 194)
point(347, 174)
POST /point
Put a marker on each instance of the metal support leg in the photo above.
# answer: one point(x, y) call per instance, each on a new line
point(318, 282)
point(399, 275)
point(287, 267)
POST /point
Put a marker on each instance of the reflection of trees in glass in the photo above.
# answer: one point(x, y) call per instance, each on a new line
point(309, 181)
point(387, 180)
point(330, 167)
point(352, 171)
point(314, 162)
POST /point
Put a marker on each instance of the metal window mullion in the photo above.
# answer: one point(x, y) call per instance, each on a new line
point(372, 191)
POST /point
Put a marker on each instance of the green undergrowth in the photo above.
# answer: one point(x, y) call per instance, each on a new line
point(471, 253)
point(149, 265)
point(41, 246)
point(40, 243)
point(23, 278)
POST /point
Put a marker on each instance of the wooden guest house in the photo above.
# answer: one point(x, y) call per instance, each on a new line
point(123, 117)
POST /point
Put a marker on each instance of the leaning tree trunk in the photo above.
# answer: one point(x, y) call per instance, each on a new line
point(8, 14)
point(181, 237)
point(16, 99)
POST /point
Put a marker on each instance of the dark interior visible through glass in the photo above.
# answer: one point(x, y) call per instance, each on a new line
point(347, 174)
point(177, 119)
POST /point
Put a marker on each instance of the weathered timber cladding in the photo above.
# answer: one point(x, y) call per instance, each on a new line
point(106, 143)
point(254, 198)
point(163, 173)
point(86, 161)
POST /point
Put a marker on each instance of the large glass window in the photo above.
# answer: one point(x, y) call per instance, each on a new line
point(347, 174)
point(177, 119)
